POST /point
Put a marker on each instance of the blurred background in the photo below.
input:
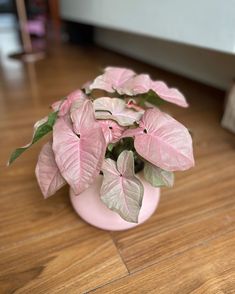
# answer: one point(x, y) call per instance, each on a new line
point(192, 39)
point(195, 39)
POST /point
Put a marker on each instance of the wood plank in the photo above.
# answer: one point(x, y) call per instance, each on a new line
point(60, 262)
point(208, 268)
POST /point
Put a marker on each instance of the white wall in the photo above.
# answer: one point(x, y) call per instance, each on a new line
point(193, 38)
point(203, 23)
point(207, 66)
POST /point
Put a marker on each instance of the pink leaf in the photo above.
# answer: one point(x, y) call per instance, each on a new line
point(64, 106)
point(48, 175)
point(115, 109)
point(163, 141)
point(79, 155)
point(112, 78)
point(83, 118)
point(169, 94)
point(139, 84)
point(111, 130)
point(121, 191)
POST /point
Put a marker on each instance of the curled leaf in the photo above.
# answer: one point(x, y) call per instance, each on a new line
point(48, 175)
point(41, 128)
point(115, 109)
point(121, 191)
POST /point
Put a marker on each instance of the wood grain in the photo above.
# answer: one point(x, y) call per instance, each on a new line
point(188, 244)
point(185, 273)
point(60, 262)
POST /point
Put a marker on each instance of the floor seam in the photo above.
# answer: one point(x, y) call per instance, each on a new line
point(115, 244)
point(121, 257)
point(130, 273)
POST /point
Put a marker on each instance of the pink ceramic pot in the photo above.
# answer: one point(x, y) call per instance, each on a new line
point(91, 209)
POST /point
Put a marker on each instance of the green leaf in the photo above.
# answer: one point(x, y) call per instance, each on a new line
point(110, 147)
point(158, 177)
point(41, 128)
point(152, 98)
point(142, 101)
point(123, 144)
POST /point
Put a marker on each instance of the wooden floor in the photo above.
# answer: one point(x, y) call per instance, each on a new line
point(188, 245)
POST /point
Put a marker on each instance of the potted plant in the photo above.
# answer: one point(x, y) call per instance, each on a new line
point(114, 150)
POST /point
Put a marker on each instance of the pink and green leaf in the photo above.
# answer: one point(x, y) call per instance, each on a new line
point(121, 190)
point(41, 128)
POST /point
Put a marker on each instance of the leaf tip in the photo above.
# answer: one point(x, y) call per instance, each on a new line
point(11, 159)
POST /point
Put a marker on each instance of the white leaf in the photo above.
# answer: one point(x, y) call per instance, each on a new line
point(115, 109)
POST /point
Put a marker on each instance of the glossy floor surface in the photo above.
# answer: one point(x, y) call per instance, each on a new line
point(188, 245)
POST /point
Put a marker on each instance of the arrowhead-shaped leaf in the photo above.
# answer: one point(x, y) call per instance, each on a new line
point(48, 175)
point(163, 141)
point(158, 177)
point(41, 128)
point(112, 78)
point(121, 191)
point(79, 148)
point(115, 109)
